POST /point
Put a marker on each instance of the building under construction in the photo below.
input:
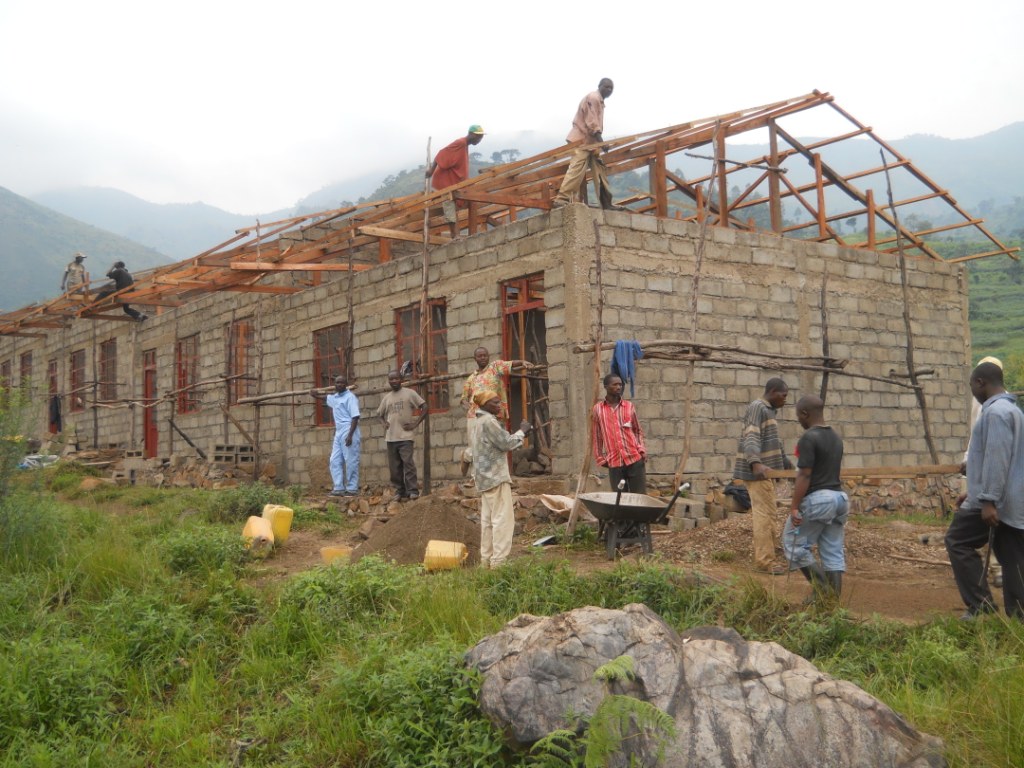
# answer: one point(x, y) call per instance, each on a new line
point(725, 279)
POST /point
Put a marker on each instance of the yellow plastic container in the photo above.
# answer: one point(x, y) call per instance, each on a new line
point(330, 554)
point(280, 518)
point(443, 555)
point(258, 535)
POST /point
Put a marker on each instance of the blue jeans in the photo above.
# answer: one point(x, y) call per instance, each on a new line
point(824, 516)
point(345, 461)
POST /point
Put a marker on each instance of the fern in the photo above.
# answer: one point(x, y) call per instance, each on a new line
point(618, 718)
point(622, 668)
point(559, 749)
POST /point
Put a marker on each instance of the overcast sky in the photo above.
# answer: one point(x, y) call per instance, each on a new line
point(250, 106)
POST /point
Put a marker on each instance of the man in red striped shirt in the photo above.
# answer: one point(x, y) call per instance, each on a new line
point(618, 438)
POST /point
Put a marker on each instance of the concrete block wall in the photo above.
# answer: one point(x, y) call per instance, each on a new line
point(757, 292)
point(762, 293)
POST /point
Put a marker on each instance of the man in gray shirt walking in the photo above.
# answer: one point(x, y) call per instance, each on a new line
point(992, 510)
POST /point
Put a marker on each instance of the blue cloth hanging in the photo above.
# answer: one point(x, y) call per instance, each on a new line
point(624, 361)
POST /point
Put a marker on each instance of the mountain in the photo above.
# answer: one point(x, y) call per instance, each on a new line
point(36, 243)
point(180, 230)
point(984, 173)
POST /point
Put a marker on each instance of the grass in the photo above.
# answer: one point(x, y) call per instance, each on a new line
point(133, 636)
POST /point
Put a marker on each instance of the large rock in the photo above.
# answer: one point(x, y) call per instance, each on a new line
point(735, 703)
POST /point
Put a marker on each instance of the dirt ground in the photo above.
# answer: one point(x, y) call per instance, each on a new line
point(895, 569)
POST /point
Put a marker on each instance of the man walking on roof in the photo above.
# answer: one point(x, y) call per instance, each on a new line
point(587, 130)
point(122, 279)
point(450, 166)
point(75, 277)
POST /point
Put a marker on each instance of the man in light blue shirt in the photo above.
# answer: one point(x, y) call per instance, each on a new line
point(348, 440)
point(993, 507)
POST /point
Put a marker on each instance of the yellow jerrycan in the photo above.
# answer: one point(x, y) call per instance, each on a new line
point(280, 518)
point(258, 535)
point(442, 555)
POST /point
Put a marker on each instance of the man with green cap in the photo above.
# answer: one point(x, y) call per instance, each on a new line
point(450, 166)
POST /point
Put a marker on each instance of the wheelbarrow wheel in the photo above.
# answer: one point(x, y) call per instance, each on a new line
point(611, 539)
point(645, 539)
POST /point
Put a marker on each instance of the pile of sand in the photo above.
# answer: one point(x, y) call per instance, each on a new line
point(404, 537)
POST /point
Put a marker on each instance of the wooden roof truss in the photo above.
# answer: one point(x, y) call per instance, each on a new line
point(289, 255)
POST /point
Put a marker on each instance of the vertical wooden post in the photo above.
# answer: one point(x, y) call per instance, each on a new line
point(871, 219)
point(723, 191)
point(384, 250)
point(659, 182)
point(574, 513)
point(774, 192)
point(820, 187)
point(95, 394)
point(425, 325)
point(699, 202)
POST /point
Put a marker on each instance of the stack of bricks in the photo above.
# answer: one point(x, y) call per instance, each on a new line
point(225, 454)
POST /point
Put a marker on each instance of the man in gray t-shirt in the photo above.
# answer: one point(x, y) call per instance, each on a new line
point(397, 410)
point(991, 512)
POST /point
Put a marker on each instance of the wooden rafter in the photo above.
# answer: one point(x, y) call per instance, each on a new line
point(256, 258)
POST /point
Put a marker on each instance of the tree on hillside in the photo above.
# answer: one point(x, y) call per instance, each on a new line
point(1015, 272)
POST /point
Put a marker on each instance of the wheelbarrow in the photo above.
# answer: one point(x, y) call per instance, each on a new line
point(626, 518)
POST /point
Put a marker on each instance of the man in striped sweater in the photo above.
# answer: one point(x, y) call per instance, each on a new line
point(760, 449)
point(618, 439)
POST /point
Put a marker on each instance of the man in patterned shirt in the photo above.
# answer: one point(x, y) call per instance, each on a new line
point(760, 449)
point(492, 478)
point(618, 439)
point(488, 377)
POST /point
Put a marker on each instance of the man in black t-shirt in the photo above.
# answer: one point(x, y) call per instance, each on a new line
point(122, 279)
point(819, 508)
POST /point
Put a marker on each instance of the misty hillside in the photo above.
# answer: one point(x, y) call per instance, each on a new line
point(985, 174)
point(181, 230)
point(36, 244)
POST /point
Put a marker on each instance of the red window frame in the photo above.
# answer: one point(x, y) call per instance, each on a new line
point(330, 351)
point(25, 372)
point(407, 347)
point(186, 365)
point(240, 357)
point(53, 377)
point(76, 380)
point(108, 369)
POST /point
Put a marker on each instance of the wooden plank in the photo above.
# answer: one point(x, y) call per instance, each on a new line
point(496, 198)
point(239, 427)
point(398, 234)
point(251, 266)
point(914, 470)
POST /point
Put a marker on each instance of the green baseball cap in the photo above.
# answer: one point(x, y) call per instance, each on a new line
point(476, 129)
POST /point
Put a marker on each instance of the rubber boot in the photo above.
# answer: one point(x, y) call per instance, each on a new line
point(835, 579)
point(820, 585)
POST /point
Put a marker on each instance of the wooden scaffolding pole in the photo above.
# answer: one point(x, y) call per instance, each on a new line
point(694, 298)
point(911, 369)
point(574, 513)
point(425, 329)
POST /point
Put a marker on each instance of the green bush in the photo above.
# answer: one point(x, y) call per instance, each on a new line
point(33, 533)
point(66, 475)
point(678, 597)
point(369, 587)
point(234, 505)
point(197, 550)
point(419, 711)
point(144, 628)
point(49, 684)
point(529, 585)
